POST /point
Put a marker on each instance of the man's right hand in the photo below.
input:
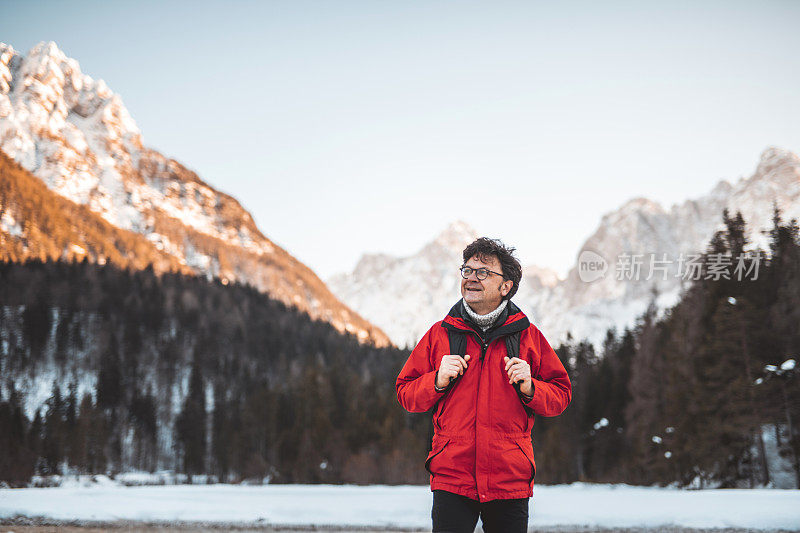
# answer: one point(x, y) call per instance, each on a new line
point(451, 367)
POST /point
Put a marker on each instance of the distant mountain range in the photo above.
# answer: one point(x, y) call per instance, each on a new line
point(76, 136)
point(407, 294)
point(78, 182)
point(387, 290)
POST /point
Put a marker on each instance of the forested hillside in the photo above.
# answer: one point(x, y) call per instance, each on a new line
point(175, 372)
point(706, 395)
point(139, 371)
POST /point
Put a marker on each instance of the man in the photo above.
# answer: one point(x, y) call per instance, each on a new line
point(483, 398)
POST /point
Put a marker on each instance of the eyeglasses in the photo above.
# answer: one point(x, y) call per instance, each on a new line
point(480, 273)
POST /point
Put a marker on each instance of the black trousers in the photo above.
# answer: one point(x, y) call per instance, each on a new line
point(453, 513)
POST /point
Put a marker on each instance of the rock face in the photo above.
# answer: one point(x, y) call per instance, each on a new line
point(644, 227)
point(76, 135)
point(406, 295)
point(586, 309)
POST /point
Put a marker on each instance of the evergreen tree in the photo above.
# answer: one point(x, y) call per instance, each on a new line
point(36, 324)
point(296, 401)
point(53, 443)
point(16, 460)
point(642, 415)
point(71, 444)
point(190, 426)
point(109, 378)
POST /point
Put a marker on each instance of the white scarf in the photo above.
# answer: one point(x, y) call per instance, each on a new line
point(485, 321)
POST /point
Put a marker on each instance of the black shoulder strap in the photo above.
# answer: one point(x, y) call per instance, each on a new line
point(458, 345)
point(512, 344)
point(512, 348)
point(458, 342)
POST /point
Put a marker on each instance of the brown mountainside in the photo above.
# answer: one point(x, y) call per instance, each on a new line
point(75, 135)
point(37, 223)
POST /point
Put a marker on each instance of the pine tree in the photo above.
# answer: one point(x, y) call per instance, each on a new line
point(36, 324)
point(782, 280)
point(142, 416)
point(221, 437)
point(71, 424)
point(190, 426)
point(53, 444)
point(643, 413)
point(17, 460)
point(109, 378)
point(34, 442)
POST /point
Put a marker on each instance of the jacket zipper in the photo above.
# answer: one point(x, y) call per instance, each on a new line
point(484, 347)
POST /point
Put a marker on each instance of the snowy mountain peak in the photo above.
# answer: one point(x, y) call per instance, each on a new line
point(639, 205)
point(406, 295)
point(721, 190)
point(642, 227)
point(456, 236)
point(371, 264)
point(47, 49)
point(639, 226)
point(543, 276)
point(778, 163)
point(76, 135)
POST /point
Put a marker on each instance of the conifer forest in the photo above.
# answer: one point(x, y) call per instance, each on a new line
point(108, 370)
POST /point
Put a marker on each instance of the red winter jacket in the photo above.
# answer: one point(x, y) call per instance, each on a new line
point(482, 431)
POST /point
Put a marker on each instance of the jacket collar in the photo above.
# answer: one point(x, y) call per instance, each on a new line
point(511, 321)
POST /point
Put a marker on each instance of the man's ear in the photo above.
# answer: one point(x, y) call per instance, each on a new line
point(506, 287)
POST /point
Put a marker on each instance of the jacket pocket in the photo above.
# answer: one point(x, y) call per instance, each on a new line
point(526, 447)
point(438, 447)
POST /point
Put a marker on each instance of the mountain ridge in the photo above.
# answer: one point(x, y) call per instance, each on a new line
point(75, 135)
point(587, 309)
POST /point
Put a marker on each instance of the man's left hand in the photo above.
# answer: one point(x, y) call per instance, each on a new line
point(519, 372)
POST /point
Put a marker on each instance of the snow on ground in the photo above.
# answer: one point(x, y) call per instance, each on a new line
point(402, 506)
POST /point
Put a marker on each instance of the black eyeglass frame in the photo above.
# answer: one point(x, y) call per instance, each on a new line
point(462, 268)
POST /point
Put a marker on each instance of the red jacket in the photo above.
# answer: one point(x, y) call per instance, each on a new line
point(482, 431)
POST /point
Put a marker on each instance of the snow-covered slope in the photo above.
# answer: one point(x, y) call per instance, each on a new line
point(406, 295)
point(644, 227)
point(387, 294)
point(76, 135)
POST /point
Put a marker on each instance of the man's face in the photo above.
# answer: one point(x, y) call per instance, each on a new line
point(483, 296)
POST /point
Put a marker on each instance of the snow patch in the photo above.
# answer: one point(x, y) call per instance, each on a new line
point(591, 506)
point(9, 225)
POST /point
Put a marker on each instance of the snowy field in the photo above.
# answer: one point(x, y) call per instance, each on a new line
point(602, 506)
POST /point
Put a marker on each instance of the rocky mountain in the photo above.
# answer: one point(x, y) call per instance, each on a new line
point(405, 295)
point(37, 223)
point(640, 231)
point(75, 135)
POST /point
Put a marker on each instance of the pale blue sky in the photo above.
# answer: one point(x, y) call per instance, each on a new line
point(352, 127)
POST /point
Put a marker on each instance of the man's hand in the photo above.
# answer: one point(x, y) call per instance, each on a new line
point(519, 372)
point(451, 367)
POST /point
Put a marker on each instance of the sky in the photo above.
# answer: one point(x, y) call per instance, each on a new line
point(358, 127)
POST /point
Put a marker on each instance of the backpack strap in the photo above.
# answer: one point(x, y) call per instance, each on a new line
point(512, 344)
point(458, 345)
point(512, 349)
point(458, 342)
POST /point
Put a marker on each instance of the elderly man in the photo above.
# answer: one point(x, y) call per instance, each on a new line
point(485, 370)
